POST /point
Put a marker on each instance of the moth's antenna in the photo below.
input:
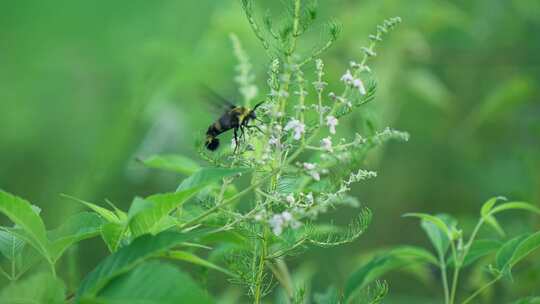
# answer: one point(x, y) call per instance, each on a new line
point(257, 105)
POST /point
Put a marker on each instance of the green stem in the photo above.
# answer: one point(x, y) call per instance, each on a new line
point(442, 265)
point(227, 201)
point(480, 290)
point(455, 277)
point(260, 270)
point(53, 269)
point(296, 24)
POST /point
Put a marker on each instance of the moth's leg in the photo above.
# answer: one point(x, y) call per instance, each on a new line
point(256, 127)
point(236, 143)
point(242, 133)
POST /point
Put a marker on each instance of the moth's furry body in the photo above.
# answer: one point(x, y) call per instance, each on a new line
point(235, 118)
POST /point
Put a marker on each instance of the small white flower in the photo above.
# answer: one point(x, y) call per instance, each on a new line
point(258, 217)
point(290, 199)
point(332, 122)
point(357, 83)
point(347, 77)
point(309, 198)
point(326, 144)
point(309, 166)
point(295, 224)
point(286, 216)
point(273, 141)
point(297, 127)
point(276, 222)
point(315, 175)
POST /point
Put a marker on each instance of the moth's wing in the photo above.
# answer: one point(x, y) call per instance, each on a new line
point(217, 102)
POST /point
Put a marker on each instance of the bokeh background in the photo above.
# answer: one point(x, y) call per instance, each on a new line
point(86, 87)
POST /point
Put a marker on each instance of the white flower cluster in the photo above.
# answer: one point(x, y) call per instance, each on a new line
point(357, 83)
point(331, 122)
point(297, 127)
point(311, 169)
point(281, 220)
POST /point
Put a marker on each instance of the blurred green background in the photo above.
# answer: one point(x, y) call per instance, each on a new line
point(86, 87)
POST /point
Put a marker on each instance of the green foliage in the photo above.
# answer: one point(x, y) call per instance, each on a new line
point(129, 257)
point(152, 283)
point(31, 226)
point(246, 213)
point(39, 288)
point(394, 259)
point(443, 234)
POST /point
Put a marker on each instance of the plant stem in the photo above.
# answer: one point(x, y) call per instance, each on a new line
point(455, 276)
point(442, 265)
point(228, 201)
point(260, 271)
point(296, 24)
point(480, 290)
point(53, 270)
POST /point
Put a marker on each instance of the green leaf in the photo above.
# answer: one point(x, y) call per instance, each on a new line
point(175, 163)
point(148, 213)
point(153, 283)
point(78, 227)
point(10, 245)
point(516, 206)
point(379, 265)
point(437, 228)
point(492, 221)
point(21, 213)
point(108, 215)
point(479, 249)
point(527, 246)
point(506, 252)
point(487, 206)
point(112, 234)
point(207, 176)
point(126, 258)
point(191, 258)
point(40, 288)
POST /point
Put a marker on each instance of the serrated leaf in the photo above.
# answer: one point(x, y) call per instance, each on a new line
point(10, 245)
point(20, 212)
point(108, 215)
point(192, 258)
point(112, 234)
point(207, 176)
point(126, 258)
point(153, 283)
point(78, 227)
point(40, 288)
point(174, 163)
point(151, 211)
